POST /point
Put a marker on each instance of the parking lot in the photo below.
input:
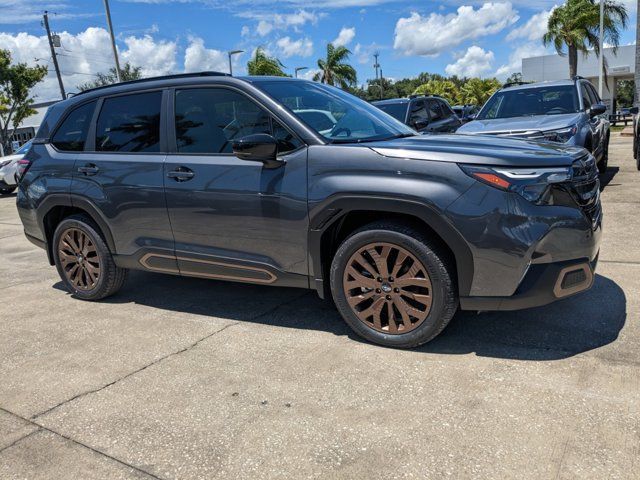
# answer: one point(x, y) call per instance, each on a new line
point(187, 378)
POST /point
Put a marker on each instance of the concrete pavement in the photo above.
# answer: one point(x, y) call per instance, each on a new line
point(187, 378)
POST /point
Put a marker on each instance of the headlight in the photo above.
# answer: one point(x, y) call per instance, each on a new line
point(6, 162)
point(561, 135)
point(531, 183)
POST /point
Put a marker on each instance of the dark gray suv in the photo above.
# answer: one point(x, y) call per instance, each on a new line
point(211, 176)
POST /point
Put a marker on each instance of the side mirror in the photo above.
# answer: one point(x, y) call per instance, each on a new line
point(633, 110)
point(258, 147)
point(597, 109)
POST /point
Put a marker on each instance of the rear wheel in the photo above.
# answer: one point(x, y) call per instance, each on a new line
point(84, 261)
point(392, 285)
point(7, 190)
point(604, 161)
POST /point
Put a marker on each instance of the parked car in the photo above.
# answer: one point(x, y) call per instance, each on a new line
point(9, 169)
point(567, 111)
point(636, 135)
point(426, 114)
point(466, 113)
point(213, 176)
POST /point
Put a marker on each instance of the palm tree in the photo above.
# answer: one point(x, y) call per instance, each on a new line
point(334, 69)
point(442, 88)
point(263, 64)
point(476, 91)
point(576, 25)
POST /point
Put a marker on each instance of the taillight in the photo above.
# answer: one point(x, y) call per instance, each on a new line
point(23, 166)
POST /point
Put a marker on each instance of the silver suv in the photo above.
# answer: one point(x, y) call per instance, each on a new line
point(566, 111)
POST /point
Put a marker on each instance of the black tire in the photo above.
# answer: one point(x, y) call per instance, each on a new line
point(110, 277)
point(434, 259)
point(7, 190)
point(604, 161)
point(638, 155)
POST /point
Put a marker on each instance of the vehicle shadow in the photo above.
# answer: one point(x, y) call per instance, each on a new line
point(561, 330)
point(607, 176)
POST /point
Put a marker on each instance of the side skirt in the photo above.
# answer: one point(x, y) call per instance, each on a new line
point(227, 269)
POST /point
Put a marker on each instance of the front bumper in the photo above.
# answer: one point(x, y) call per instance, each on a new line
point(543, 284)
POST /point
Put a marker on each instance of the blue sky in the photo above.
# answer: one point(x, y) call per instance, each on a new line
point(163, 36)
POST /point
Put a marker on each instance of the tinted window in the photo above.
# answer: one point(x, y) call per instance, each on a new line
point(586, 101)
point(72, 134)
point(551, 100)
point(396, 110)
point(419, 117)
point(446, 110)
point(318, 120)
point(208, 120)
point(593, 95)
point(130, 123)
point(434, 110)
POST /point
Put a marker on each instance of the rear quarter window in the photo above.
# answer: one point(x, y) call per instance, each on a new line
point(71, 135)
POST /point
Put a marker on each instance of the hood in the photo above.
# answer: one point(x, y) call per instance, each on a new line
point(519, 124)
point(479, 149)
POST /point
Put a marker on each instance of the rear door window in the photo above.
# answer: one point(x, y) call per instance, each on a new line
point(446, 110)
point(72, 134)
point(130, 123)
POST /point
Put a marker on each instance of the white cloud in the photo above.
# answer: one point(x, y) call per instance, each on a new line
point(199, 58)
point(344, 37)
point(155, 58)
point(302, 47)
point(282, 21)
point(515, 59)
point(474, 63)
point(13, 12)
point(84, 54)
point(364, 53)
point(308, 74)
point(430, 35)
point(534, 28)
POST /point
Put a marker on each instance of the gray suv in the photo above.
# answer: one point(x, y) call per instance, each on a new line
point(568, 112)
point(211, 176)
point(424, 113)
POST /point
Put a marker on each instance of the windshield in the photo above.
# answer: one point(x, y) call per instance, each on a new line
point(396, 110)
point(24, 148)
point(334, 114)
point(552, 100)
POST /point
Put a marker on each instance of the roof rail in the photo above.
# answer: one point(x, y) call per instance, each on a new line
point(161, 77)
point(513, 84)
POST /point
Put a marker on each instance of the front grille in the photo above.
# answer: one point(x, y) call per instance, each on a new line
point(585, 187)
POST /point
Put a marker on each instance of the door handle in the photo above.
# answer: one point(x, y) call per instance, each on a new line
point(88, 169)
point(181, 174)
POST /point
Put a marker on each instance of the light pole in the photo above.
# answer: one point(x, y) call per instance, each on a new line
point(601, 41)
point(298, 69)
point(230, 53)
point(113, 40)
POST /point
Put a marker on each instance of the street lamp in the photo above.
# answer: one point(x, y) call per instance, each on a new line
point(230, 53)
point(298, 69)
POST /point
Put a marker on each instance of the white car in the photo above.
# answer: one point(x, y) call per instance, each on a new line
point(321, 120)
point(9, 169)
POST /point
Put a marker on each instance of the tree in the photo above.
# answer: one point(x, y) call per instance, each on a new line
point(443, 88)
point(128, 73)
point(476, 91)
point(16, 82)
point(263, 64)
point(575, 25)
point(515, 78)
point(334, 70)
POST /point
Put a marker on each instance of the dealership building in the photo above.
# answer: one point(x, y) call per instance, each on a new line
point(621, 66)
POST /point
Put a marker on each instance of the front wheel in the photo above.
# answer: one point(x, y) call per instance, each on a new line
point(393, 286)
point(84, 261)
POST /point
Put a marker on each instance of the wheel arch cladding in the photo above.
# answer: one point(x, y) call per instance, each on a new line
point(58, 207)
point(330, 225)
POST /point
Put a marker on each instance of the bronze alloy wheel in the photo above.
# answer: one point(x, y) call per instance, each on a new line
point(387, 288)
point(79, 259)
